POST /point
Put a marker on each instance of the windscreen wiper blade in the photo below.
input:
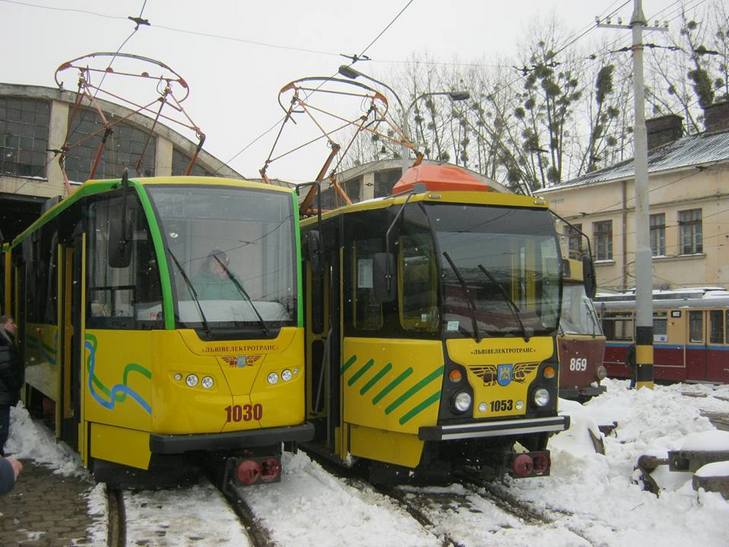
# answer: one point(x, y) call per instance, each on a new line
point(241, 290)
point(192, 290)
point(471, 303)
point(510, 303)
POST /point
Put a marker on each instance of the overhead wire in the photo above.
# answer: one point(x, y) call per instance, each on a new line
point(354, 60)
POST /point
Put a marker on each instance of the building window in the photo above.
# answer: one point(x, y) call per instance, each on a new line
point(124, 147)
point(658, 234)
point(180, 161)
point(690, 232)
point(574, 240)
point(23, 136)
point(385, 180)
point(603, 236)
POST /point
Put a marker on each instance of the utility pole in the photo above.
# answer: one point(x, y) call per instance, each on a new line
point(643, 254)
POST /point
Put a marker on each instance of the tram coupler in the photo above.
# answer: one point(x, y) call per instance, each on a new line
point(250, 468)
point(529, 464)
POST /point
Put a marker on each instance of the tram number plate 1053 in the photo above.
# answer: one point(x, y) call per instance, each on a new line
point(245, 413)
point(503, 405)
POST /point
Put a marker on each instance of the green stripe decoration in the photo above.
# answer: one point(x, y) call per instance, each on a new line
point(348, 364)
point(392, 385)
point(435, 397)
point(376, 378)
point(357, 375)
point(413, 390)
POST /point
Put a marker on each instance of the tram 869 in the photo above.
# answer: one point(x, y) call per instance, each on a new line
point(160, 320)
point(580, 343)
point(431, 318)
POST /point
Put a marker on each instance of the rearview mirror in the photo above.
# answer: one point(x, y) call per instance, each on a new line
point(383, 277)
point(313, 250)
point(588, 276)
point(120, 246)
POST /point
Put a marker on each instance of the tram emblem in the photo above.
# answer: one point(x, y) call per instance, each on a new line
point(504, 374)
point(240, 361)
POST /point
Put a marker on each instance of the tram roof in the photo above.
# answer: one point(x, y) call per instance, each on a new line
point(463, 197)
point(97, 186)
point(695, 297)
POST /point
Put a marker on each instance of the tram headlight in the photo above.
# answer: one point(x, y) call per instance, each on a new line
point(272, 378)
point(286, 375)
point(462, 401)
point(601, 372)
point(541, 397)
point(191, 380)
point(207, 382)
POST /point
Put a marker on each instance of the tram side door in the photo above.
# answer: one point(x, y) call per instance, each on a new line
point(71, 318)
point(696, 345)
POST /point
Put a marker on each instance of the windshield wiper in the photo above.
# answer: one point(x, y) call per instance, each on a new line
point(510, 303)
point(471, 303)
point(241, 290)
point(192, 290)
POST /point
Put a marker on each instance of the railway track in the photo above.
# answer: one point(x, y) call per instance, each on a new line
point(116, 536)
point(258, 534)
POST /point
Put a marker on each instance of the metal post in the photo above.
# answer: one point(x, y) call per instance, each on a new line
point(643, 255)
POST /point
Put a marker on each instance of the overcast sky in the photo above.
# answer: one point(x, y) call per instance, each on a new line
point(234, 81)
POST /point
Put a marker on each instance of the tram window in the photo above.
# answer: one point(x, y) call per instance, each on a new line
point(367, 313)
point(127, 297)
point(419, 300)
point(41, 276)
point(660, 327)
point(696, 326)
point(716, 322)
point(618, 326)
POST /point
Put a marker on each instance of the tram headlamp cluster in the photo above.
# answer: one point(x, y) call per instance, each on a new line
point(462, 401)
point(192, 380)
point(286, 375)
point(601, 372)
point(541, 397)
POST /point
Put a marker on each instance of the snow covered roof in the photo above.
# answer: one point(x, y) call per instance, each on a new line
point(690, 151)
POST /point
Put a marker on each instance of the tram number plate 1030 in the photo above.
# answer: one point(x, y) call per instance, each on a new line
point(245, 413)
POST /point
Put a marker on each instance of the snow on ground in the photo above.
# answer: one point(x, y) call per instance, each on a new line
point(198, 515)
point(592, 498)
point(312, 507)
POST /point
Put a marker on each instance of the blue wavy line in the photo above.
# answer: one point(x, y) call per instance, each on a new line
point(116, 389)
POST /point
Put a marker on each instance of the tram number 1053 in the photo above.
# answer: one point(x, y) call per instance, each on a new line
point(246, 413)
point(578, 364)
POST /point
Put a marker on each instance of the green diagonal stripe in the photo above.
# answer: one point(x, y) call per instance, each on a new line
point(413, 390)
point(376, 378)
point(392, 385)
point(357, 375)
point(419, 408)
point(348, 364)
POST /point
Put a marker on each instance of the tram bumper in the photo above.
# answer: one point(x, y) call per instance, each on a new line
point(502, 428)
point(231, 440)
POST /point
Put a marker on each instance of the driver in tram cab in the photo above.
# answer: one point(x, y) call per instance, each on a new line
point(214, 281)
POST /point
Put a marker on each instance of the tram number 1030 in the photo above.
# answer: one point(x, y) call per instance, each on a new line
point(578, 364)
point(245, 413)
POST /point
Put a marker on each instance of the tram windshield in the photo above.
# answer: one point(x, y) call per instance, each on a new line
point(578, 311)
point(500, 270)
point(231, 255)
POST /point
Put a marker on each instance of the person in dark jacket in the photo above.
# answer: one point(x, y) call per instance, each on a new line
point(11, 376)
point(10, 468)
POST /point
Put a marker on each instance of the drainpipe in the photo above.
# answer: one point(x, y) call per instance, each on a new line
point(624, 190)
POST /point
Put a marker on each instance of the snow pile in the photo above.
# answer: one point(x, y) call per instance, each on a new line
point(31, 441)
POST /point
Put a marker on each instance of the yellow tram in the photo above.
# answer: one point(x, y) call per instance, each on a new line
point(431, 318)
point(160, 321)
